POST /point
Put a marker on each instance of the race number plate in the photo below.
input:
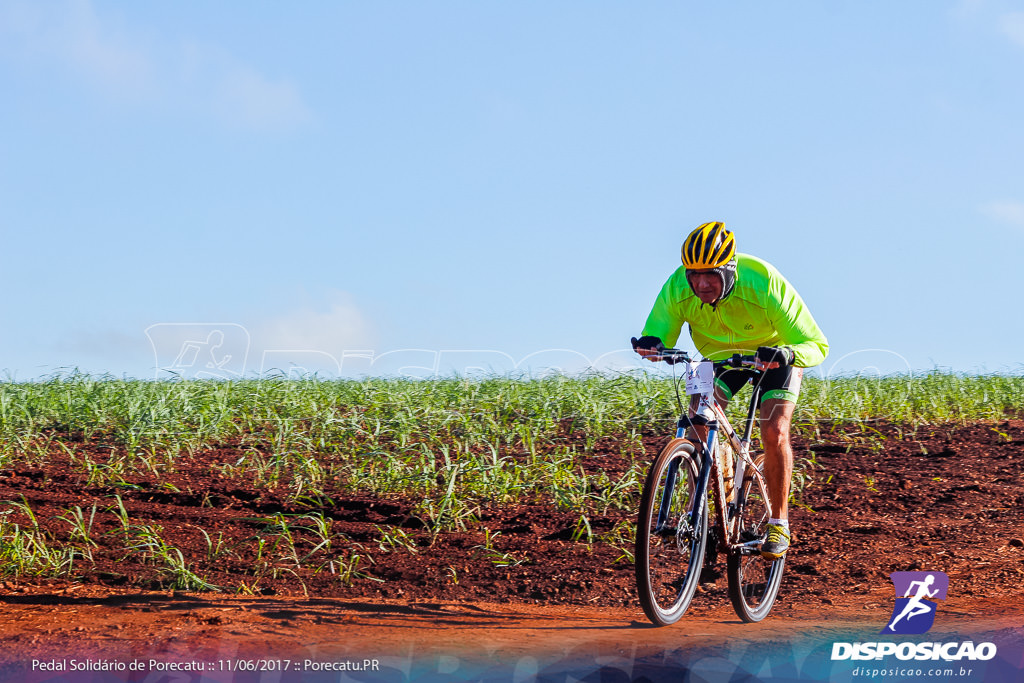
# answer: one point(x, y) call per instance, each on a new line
point(700, 377)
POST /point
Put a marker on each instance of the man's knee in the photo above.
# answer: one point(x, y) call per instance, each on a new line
point(776, 417)
point(775, 433)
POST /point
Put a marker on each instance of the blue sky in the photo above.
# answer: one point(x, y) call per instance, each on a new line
point(335, 182)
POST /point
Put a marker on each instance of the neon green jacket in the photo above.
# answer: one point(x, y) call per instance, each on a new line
point(763, 309)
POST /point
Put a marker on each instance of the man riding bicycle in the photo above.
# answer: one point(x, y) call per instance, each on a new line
point(736, 303)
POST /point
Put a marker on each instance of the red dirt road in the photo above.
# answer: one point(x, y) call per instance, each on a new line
point(460, 639)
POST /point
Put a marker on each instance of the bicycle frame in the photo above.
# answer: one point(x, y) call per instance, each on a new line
point(726, 511)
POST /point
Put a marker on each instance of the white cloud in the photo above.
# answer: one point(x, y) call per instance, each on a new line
point(128, 62)
point(1011, 212)
point(73, 36)
point(341, 327)
point(215, 81)
point(250, 98)
point(1012, 25)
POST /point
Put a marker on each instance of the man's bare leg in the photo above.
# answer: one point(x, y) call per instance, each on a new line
point(702, 432)
point(776, 418)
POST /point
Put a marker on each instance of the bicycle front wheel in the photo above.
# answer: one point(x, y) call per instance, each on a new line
point(753, 580)
point(671, 535)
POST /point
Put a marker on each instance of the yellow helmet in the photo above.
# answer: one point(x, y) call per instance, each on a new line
point(709, 246)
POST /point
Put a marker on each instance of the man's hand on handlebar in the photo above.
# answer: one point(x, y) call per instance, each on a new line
point(648, 347)
point(771, 357)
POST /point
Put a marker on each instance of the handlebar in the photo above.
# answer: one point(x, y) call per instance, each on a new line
point(673, 356)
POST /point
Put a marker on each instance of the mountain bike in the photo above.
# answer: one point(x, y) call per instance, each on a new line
point(688, 511)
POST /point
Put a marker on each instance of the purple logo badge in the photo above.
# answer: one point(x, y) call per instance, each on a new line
point(914, 611)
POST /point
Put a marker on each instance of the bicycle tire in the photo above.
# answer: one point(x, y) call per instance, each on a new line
point(669, 559)
point(754, 580)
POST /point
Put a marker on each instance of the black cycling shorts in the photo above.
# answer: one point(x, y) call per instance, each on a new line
point(780, 383)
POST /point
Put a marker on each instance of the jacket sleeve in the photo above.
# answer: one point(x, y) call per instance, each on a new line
point(796, 326)
point(664, 320)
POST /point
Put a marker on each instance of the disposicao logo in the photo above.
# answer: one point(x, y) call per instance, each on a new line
point(914, 613)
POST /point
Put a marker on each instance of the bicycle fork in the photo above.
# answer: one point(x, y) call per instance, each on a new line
point(708, 467)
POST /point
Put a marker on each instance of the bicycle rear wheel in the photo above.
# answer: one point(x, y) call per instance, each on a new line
point(670, 539)
point(753, 580)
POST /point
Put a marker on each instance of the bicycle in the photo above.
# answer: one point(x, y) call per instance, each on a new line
point(675, 526)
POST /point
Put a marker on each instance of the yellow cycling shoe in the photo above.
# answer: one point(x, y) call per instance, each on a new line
point(776, 542)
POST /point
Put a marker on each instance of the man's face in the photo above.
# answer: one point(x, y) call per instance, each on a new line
point(707, 285)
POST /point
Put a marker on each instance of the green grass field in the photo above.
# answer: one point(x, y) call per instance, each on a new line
point(381, 435)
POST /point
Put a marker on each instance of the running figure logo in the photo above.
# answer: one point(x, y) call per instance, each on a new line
point(199, 350)
point(914, 612)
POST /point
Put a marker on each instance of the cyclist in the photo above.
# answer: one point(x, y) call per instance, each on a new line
point(737, 303)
